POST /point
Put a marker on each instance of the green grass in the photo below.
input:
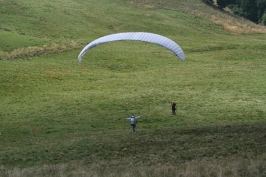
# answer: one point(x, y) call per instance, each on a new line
point(55, 112)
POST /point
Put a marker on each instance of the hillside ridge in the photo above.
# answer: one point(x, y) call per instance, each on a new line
point(47, 27)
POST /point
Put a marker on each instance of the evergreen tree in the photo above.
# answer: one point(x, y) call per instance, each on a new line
point(263, 21)
point(221, 3)
point(254, 10)
point(261, 4)
point(250, 10)
point(208, 1)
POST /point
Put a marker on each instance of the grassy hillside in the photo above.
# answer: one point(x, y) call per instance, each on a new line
point(54, 26)
point(60, 118)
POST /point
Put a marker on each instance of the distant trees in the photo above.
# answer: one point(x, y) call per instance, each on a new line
point(250, 10)
point(263, 21)
point(221, 3)
point(254, 10)
point(262, 11)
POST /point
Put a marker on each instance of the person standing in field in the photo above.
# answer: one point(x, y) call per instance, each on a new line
point(133, 122)
point(173, 108)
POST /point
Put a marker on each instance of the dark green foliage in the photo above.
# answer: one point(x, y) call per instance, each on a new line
point(261, 4)
point(235, 8)
point(208, 1)
point(221, 3)
point(263, 21)
point(250, 9)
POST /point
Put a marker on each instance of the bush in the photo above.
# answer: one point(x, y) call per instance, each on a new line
point(208, 1)
point(235, 9)
point(264, 19)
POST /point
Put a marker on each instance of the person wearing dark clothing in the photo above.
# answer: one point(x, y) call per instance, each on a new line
point(173, 108)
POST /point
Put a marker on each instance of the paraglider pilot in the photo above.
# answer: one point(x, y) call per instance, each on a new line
point(173, 108)
point(133, 121)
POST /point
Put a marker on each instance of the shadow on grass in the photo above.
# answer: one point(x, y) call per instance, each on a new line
point(149, 147)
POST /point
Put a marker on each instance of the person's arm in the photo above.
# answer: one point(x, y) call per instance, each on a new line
point(137, 117)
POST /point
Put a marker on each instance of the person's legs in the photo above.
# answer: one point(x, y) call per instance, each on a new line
point(133, 127)
point(174, 111)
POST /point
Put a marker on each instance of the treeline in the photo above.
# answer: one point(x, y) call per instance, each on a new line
point(254, 10)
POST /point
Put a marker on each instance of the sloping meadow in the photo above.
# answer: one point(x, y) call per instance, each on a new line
point(59, 118)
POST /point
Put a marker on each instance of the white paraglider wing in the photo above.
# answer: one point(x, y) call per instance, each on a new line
point(136, 36)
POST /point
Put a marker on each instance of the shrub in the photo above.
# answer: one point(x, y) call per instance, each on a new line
point(264, 19)
point(208, 1)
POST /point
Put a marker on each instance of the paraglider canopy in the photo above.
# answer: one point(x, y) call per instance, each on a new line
point(136, 36)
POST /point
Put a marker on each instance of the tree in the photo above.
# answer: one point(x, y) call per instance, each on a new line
point(250, 10)
point(261, 4)
point(263, 21)
point(208, 1)
point(254, 10)
point(221, 3)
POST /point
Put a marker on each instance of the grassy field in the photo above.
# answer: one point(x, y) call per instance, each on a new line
point(58, 118)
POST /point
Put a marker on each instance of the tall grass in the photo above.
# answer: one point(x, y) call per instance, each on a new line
point(22, 53)
point(235, 167)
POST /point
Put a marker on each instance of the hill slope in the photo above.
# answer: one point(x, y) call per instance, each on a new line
point(197, 8)
point(64, 25)
point(57, 117)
